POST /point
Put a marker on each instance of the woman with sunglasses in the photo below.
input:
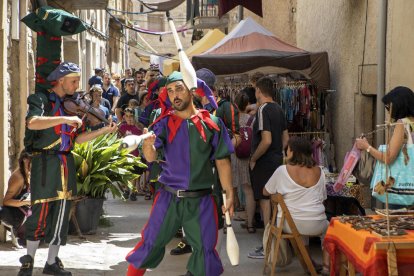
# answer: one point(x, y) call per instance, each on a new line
point(400, 101)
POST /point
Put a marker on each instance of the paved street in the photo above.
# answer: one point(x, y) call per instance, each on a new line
point(104, 253)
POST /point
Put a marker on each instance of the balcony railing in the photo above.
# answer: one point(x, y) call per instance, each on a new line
point(206, 17)
point(80, 4)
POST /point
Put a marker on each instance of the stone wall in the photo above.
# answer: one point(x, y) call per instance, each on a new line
point(338, 27)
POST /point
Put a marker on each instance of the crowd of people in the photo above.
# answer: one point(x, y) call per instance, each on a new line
point(207, 130)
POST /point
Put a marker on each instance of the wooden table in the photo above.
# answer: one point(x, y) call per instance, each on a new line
point(365, 252)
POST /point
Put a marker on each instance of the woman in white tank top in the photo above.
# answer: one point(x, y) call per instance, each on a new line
point(302, 185)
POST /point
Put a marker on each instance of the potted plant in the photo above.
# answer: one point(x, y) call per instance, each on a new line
point(101, 166)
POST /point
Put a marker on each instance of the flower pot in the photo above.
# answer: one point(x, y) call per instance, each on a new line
point(88, 212)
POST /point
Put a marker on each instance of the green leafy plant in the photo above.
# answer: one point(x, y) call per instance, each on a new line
point(102, 165)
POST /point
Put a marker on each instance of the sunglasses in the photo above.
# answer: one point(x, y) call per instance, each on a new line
point(117, 79)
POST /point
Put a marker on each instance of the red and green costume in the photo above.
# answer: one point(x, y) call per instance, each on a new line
point(189, 148)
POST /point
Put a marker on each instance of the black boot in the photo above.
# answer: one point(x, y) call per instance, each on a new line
point(188, 274)
point(27, 266)
point(182, 248)
point(56, 269)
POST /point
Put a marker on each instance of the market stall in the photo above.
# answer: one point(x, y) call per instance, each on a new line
point(361, 245)
point(249, 47)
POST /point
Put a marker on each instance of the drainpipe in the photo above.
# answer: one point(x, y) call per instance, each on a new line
point(382, 43)
point(4, 109)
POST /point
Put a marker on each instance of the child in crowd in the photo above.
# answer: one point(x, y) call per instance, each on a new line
point(138, 107)
point(129, 127)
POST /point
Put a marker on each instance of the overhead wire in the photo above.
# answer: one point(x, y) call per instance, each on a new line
point(115, 38)
point(181, 29)
point(127, 12)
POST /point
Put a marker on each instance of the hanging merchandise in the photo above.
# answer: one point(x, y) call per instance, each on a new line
point(351, 159)
point(303, 104)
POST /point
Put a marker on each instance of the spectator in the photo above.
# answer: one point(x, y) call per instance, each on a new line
point(96, 92)
point(270, 137)
point(127, 75)
point(124, 100)
point(117, 82)
point(302, 184)
point(240, 167)
point(139, 80)
point(128, 127)
point(251, 108)
point(16, 202)
point(97, 78)
point(110, 92)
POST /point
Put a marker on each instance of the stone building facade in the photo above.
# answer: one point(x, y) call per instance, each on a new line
point(102, 45)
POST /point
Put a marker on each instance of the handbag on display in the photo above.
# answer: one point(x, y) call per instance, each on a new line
point(401, 172)
point(364, 170)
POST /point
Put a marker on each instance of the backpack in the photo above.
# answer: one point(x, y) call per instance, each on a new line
point(246, 132)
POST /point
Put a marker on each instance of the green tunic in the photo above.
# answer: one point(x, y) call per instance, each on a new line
point(59, 169)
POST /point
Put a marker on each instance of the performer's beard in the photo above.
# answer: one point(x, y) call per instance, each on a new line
point(180, 104)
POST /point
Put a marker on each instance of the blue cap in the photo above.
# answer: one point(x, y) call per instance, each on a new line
point(207, 76)
point(173, 77)
point(64, 69)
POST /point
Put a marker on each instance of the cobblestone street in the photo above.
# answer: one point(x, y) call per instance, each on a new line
point(104, 253)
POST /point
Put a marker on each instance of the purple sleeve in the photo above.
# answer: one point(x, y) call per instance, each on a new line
point(159, 130)
point(221, 142)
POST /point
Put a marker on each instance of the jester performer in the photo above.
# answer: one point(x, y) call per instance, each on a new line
point(50, 135)
point(188, 139)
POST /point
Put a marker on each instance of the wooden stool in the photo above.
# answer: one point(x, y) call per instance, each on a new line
point(276, 232)
point(72, 217)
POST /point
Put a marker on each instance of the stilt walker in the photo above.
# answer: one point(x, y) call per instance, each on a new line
point(50, 137)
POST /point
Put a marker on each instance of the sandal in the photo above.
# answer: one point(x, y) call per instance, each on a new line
point(251, 229)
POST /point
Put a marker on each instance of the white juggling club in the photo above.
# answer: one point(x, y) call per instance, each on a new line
point(232, 246)
point(131, 142)
point(186, 68)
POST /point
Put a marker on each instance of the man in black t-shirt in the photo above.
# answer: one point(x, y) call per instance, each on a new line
point(269, 138)
point(124, 100)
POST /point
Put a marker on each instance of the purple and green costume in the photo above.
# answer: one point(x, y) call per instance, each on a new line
point(189, 148)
